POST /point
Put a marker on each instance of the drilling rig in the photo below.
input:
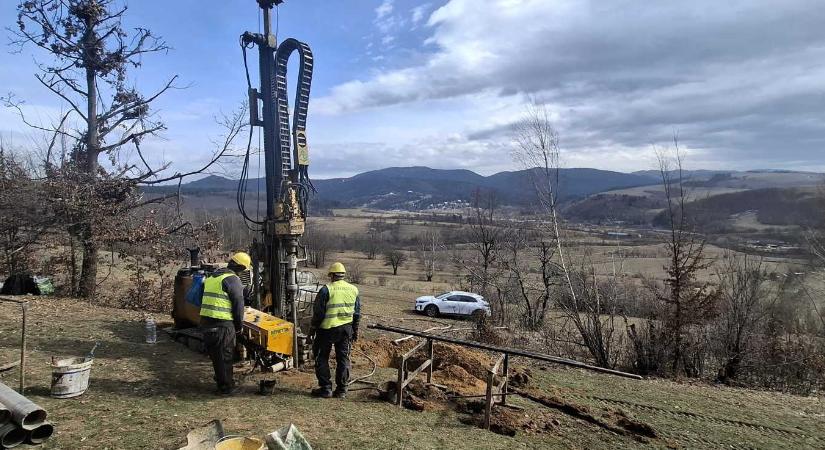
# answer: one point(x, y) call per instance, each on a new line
point(286, 162)
point(270, 326)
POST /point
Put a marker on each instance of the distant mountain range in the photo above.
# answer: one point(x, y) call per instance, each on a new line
point(415, 188)
point(589, 194)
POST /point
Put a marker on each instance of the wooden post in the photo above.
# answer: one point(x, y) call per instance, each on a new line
point(488, 405)
point(430, 354)
point(399, 387)
point(506, 381)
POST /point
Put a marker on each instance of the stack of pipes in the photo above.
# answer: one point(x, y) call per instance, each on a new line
point(21, 421)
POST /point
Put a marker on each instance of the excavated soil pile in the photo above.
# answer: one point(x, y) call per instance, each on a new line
point(475, 362)
point(382, 350)
point(508, 421)
point(458, 381)
point(418, 396)
point(520, 376)
point(461, 370)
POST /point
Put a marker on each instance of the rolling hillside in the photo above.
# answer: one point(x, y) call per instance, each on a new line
point(415, 188)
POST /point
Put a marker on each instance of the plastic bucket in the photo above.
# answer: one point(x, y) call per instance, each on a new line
point(240, 443)
point(70, 376)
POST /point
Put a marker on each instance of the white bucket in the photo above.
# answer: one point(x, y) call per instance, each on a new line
point(70, 376)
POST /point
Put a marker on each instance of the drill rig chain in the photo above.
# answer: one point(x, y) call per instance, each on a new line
point(293, 143)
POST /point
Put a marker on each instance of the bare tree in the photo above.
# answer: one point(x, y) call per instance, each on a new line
point(375, 240)
point(596, 311)
point(745, 295)
point(319, 242)
point(587, 302)
point(484, 238)
point(429, 252)
point(534, 292)
point(24, 217)
point(395, 259)
point(90, 54)
point(538, 151)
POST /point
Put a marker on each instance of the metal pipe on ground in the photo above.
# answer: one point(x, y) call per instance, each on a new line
point(11, 435)
point(5, 415)
point(40, 434)
point(24, 412)
point(499, 349)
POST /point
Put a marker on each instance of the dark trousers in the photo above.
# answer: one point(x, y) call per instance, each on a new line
point(341, 338)
point(219, 338)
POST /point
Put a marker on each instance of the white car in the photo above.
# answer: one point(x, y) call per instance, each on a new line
point(456, 303)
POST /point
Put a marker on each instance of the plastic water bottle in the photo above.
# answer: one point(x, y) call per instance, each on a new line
point(151, 331)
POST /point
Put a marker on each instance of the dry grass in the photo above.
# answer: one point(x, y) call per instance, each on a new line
point(150, 396)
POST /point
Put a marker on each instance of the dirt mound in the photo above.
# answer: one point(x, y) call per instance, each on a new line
point(462, 370)
point(382, 350)
point(475, 362)
point(459, 381)
point(520, 376)
point(418, 396)
point(508, 421)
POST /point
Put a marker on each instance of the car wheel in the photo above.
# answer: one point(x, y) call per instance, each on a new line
point(431, 310)
point(478, 314)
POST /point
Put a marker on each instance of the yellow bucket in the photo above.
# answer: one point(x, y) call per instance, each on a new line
point(240, 443)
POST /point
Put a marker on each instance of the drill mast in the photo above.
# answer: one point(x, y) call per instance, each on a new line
point(286, 161)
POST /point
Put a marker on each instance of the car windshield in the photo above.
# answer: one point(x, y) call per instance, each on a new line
point(442, 295)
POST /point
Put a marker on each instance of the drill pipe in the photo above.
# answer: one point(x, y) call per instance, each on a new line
point(11, 435)
point(40, 434)
point(5, 415)
point(24, 412)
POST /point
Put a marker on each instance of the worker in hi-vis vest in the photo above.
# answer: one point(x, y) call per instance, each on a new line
point(222, 308)
point(335, 318)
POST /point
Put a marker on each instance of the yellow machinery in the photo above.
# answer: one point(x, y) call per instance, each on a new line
point(267, 332)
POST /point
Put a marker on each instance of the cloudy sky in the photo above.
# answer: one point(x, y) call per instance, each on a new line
point(440, 83)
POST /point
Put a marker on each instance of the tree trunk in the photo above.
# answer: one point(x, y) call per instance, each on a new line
point(73, 266)
point(88, 270)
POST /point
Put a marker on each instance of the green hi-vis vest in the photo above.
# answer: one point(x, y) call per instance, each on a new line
point(341, 304)
point(216, 302)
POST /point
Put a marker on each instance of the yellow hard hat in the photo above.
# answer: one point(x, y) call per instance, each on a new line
point(243, 259)
point(337, 267)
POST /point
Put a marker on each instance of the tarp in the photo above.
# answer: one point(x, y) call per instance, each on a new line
point(287, 438)
point(195, 293)
point(20, 284)
point(205, 437)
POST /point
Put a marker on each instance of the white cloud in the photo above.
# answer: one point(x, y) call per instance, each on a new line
point(741, 81)
point(384, 9)
point(418, 13)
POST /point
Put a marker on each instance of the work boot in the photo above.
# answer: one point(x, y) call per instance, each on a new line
point(321, 392)
point(339, 394)
point(228, 392)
